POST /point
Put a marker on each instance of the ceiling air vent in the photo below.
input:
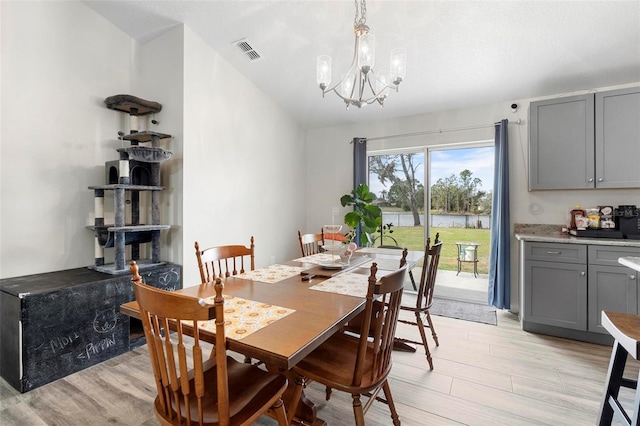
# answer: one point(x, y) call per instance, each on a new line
point(247, 50)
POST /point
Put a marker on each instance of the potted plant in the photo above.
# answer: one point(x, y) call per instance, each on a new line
point(365, 218)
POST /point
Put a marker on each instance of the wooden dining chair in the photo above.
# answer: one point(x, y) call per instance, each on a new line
point(224, 261)
point(413, 281)
point(310, 243)
point(359, 364)
point(192, 389)
point(422, 301)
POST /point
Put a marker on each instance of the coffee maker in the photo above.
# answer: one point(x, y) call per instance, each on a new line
point(627, 220)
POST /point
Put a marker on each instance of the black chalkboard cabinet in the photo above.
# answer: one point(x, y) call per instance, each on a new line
point(57, 323)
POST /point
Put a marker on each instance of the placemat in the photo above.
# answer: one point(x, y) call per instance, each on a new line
point(318, 258)
point(243, 317)
point(271, 274)
point(348, 283)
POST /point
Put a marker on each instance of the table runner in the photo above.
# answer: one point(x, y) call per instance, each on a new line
point(348, 283)
point(243, 317)
point(271, 274)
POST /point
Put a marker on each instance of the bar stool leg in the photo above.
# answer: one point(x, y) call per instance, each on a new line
point(636, 404)
point(612, 385)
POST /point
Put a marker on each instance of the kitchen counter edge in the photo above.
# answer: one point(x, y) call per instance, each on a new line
point(570, 239)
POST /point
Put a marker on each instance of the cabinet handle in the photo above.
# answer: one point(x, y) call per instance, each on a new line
point(590, 179)
point(582, 274)
point(600, 179)
point(554, 252)
point(632, 277)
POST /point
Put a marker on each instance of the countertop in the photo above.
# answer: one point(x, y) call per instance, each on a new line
point(631, 262)
point(557, 237)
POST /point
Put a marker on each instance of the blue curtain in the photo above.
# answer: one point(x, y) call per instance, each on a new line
point(500, 252)
point(359, 168)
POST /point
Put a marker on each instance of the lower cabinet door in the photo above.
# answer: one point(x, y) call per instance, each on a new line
point(611, 288)
point(556, 294)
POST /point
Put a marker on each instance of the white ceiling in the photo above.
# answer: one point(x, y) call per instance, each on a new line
point(460, 53)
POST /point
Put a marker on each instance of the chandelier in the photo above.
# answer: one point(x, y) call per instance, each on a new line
point(360, 85)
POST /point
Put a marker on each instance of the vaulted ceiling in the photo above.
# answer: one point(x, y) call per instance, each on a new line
point(459, 53)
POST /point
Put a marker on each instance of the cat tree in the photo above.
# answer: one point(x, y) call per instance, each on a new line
point(137, 171)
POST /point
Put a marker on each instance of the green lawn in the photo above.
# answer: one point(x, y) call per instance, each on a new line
point(412, 237)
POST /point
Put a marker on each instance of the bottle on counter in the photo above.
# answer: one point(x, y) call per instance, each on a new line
point(594, 218)
point(577, 211)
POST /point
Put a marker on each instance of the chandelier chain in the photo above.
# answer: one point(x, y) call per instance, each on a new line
point(361, 13)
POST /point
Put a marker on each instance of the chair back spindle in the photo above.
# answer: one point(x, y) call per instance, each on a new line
point(224, 261)
point(310, 243)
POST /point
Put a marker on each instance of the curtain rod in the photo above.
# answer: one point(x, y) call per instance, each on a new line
point(431, 132)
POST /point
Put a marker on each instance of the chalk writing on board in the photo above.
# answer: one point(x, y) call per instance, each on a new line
point(169, 277)
point(95, 348)
point(59, 343)
point(105, 320)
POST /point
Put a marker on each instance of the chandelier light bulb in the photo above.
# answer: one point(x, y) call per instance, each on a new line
point(366, 51)
point(383, 81)
point(323, 71)
point(398, 65)
point(347, 85)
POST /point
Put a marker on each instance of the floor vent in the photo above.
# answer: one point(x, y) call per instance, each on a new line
point(247, 50)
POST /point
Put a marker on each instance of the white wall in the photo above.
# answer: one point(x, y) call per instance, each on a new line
point(59, 62)
point(159, 76)
point(330, 165)
point(238, 163)
point(244, 163)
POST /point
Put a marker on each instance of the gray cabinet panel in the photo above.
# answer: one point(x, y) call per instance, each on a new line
point(561, 133)
point(617, 138)
point(585, 141)
point(556, 252)
point(555, 294)
point(567, 286)
point(611, 288)
point(609, 255)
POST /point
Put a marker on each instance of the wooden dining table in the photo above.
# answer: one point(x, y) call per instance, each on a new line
point(316, 314)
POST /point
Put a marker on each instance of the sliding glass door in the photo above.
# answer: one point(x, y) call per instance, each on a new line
point(453, 185)
point(398, 180)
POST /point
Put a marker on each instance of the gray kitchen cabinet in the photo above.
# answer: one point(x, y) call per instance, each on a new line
point(617, 138)
point(561, 134)
point(555, 286)
point(611, 287)
point(585, 141)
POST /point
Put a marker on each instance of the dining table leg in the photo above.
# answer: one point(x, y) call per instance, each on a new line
point(306, 413)
point(400, 345)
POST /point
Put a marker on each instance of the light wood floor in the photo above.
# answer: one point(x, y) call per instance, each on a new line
point(484, 375)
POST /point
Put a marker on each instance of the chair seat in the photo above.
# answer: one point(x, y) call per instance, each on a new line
point(334, 361)
point(625, 329)
point(249, 389)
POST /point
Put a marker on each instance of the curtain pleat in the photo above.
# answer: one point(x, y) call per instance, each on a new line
point(359, 161)
point(359, 167)
point(499, 294)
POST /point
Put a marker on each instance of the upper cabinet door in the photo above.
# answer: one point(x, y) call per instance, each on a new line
point(561, 143)
point(618, 138)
